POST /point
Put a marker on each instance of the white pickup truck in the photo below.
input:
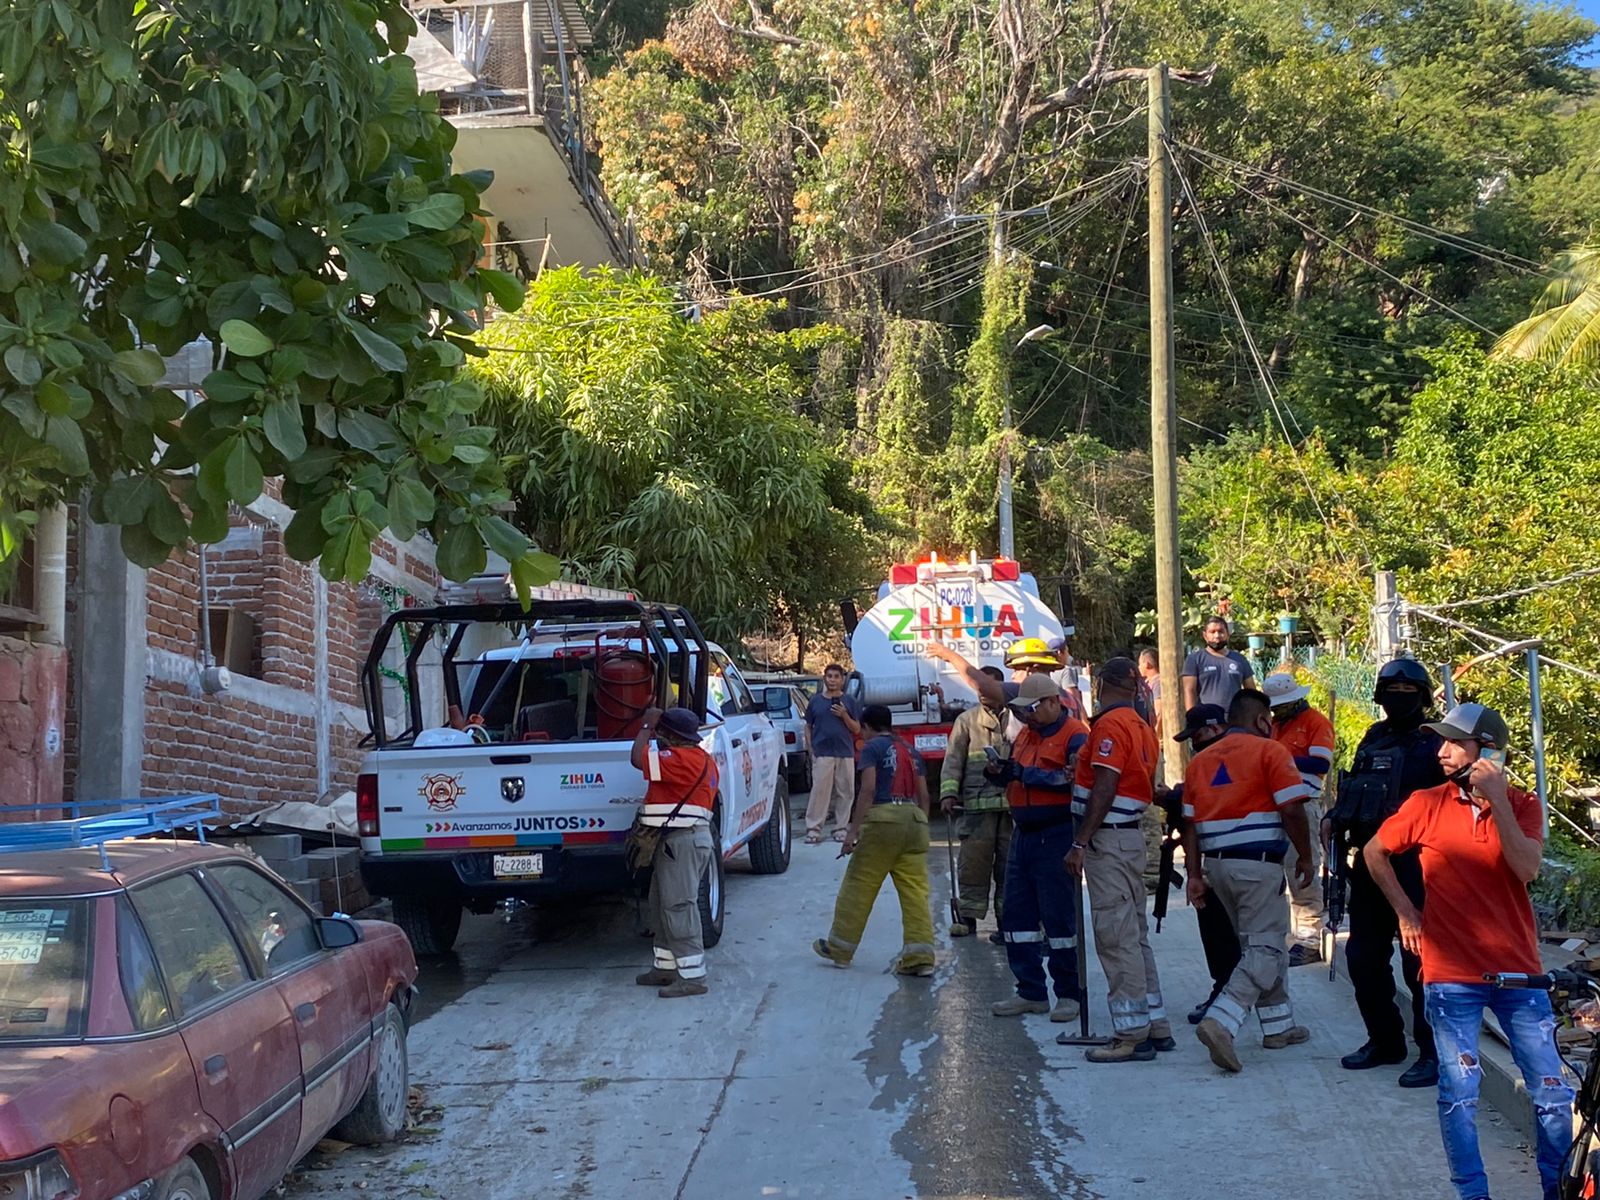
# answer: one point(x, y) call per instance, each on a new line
point(532, 796)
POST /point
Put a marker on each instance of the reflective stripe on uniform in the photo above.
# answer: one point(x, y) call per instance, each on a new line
point(665, 960)
point(1258, 829)
point(1023, 935)
point(916, 948)
point(1125, 807)
point(1127, 1015)
point(1156, 1007)
point(1225, 1010)
point(1275, 1018)
point(1063, 943)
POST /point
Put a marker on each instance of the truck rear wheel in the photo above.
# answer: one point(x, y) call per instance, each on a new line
point(711, 888)
point(769, 851)
point(430, 923)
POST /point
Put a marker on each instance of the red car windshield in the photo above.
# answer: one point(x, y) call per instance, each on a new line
point(43, 953)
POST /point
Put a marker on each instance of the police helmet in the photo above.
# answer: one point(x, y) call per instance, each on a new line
point(1403, 670)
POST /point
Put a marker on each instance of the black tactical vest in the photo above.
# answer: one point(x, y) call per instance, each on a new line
point(1389, 766)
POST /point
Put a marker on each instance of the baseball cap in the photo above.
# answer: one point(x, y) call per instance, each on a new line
point(1198, 717)
point(1056, 645)
point(1118, 670)
point(1280, 688)
point(1473, 722)
point(1035, 688)
point(680, 722)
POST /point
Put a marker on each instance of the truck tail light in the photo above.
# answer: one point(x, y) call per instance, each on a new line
point(790, 739)
point(367, 805)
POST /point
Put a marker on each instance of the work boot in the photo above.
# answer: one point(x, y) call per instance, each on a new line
point(915, 970)
point(997, 938)
point(960, 929)
point(1421, 1074)
point(655, 977)
point(683, 987)
point(1066, 1009)
point(825, 949)
point(1304, 956)
point(1164, 1045)
point(1220, 1042)
point(1296, 1036)
point(1016, 1006)
point(1372, 1055)
point(1122, 1051)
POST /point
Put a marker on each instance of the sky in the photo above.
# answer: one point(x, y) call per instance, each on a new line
point(1590, 9)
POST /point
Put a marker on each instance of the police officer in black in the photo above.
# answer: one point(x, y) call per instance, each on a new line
point(1395, 758)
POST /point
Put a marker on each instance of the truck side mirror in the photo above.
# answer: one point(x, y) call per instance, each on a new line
point(776, 699)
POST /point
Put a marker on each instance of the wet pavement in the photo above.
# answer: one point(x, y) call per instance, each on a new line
point(549, 1074)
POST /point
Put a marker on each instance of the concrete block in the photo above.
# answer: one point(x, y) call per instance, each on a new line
point(345, 859)
point(274, 847)
point(309, 890)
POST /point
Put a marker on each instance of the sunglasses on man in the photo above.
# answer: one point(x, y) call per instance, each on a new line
point(1027, 710)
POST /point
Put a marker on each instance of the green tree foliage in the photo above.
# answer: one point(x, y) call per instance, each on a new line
point(264, 176)
point(665, 454)
point(1565, 326)
point(1494, 485)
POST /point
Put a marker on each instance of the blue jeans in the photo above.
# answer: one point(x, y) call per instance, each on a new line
point(1039, 892)
point(1455, 1010)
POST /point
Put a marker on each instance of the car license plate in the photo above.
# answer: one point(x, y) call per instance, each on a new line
point(926, 742)
point(518, 866)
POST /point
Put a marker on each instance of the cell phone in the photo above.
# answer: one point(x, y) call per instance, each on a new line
point(991, 754)
point(1495, 755)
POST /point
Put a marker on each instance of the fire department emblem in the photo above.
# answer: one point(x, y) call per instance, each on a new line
point(441, 791)
point(749, 774)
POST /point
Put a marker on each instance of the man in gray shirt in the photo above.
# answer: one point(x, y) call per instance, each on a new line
point(1215, 674)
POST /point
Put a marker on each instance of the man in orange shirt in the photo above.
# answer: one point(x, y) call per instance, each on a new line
point(1482, 843)
point(680, 789)
point(1308, 735)
point(1245, 806)
point(1113, 784)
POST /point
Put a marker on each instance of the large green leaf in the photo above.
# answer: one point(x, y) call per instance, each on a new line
point(142, 368)
point(380, 349)
point(439, 211)
point(461, 553)
point(244, 339)
point(285, 427)
point(242, 472)
point(52, 243)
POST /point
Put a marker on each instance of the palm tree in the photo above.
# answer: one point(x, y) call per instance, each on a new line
point(1565, 326)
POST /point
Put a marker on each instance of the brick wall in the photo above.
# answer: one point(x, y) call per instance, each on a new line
point(288, 727)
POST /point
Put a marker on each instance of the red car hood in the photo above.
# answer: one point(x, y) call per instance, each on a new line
point(38, 1105)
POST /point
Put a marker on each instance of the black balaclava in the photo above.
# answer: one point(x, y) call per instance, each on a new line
point(1403, 708)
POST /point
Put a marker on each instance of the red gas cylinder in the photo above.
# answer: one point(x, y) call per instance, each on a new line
point(625, 686)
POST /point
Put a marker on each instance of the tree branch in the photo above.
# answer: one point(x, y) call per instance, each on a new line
point(761, 29)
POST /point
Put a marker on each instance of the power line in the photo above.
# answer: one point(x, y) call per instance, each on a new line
point(1455, 241)
point(1530, 590)
point(1472, 630)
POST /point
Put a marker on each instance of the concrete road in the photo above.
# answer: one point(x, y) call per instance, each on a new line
point(558, 1078)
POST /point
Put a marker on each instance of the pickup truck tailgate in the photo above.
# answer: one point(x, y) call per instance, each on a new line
point(488, 797)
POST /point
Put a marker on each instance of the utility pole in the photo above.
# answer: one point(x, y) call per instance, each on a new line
point(1008, 527)
point(1163, 422)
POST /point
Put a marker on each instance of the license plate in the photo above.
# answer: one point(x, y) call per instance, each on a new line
point(518, 866)
point(931, 741)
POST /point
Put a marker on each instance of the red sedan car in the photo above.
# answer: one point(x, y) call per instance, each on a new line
point(175, 1024)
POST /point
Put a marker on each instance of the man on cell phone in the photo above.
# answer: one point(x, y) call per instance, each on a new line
point(1481, 843)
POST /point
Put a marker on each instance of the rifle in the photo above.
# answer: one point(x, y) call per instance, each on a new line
point(1334, 885)
point(1167, 875)
point(1335, 862)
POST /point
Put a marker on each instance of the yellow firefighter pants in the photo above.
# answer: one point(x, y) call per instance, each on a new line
point(893, 843)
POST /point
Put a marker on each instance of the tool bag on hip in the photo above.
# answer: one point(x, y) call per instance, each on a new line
point(644, 841)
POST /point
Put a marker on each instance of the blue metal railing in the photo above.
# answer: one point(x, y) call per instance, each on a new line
point(125, 819)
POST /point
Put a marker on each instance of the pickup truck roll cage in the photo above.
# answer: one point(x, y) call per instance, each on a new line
point(667, 629)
